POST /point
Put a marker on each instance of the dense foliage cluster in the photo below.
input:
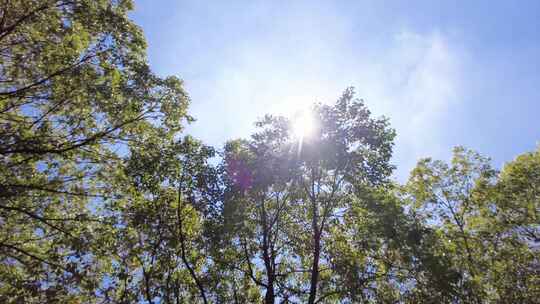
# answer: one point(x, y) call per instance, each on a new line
point(102, 200)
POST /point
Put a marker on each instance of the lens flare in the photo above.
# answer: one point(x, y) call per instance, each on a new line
point(303, 126)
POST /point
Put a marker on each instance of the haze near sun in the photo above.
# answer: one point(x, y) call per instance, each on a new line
point(303, 125)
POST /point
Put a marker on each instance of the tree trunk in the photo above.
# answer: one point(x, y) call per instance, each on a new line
point(316, 254)
point(269, 298)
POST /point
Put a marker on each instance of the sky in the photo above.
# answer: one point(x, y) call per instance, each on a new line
point(445, 73)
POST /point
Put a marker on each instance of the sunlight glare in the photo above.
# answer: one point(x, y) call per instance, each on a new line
point(303, 125)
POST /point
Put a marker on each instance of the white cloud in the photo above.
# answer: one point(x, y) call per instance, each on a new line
point(420, 77)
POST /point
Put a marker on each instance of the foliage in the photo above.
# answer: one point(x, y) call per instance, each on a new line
point(487, 222)
point(76, 97)
point(103, 200)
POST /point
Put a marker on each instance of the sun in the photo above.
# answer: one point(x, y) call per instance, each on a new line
point(303, 125)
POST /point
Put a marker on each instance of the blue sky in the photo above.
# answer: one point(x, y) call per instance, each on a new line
point(446, 73)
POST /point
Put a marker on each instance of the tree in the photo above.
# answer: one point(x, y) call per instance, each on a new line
point(161, 225)
point(258, 194)
point(349, 153)
point(287, 196)
point(76, 97)
point(510, 216)
point(486, 223)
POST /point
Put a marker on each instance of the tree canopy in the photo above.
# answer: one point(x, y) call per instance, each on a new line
point(104, 199)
